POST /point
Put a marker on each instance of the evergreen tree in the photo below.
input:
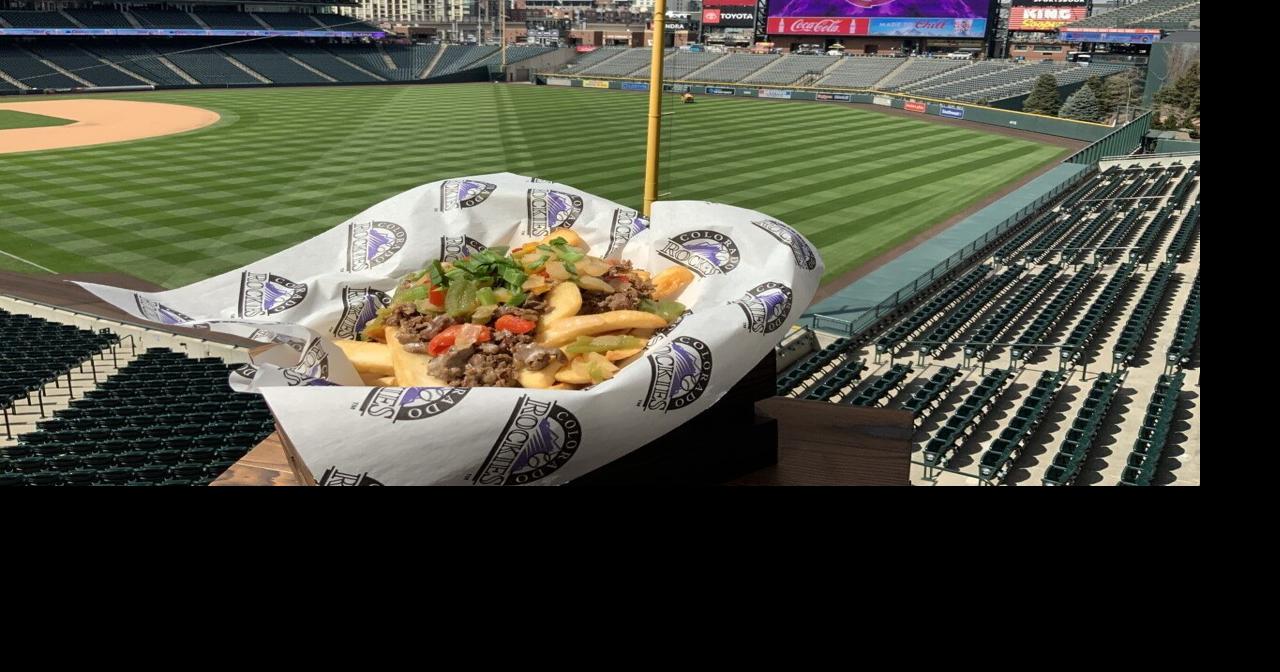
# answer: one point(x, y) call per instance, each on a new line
point(1082, 105)
point(1044, 96)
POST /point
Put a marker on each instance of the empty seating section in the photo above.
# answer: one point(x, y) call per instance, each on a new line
point(1188, 330)
point(967, 417)
point(1111, 247)
point(1088, 187)
point(1140, 468)
point(1052, 313)
point(412, 59)
point(270, 63)
point(1043, 248)
point(83, 64)
point(1178, 199)
point(807, 368)
point(1010, 248)
point(342, 22)
point(26, 68)
point(679, 64)
point(289, 20)
point(623, 64)
point(457, 58)
point(1074, 451)
point(1140, 316)
point(515, 54)
point(1086, 329)
point(164, 419)
point(100, 18)
point(35, 352)
point(892, 340)
point(883, 386)
point(1182, 240)
point(791, 69)
point(328, 64)
point(209, 66)
point(1145, 248)
point(860, 73)
point(1003, 317)
point(971, 71)
point(917, 70)
point(229, 19)
point(154, 19)
point(138, 59)
point(998, 459)
point(1078, 245)
point(1011, 78)
point(593, 58)
point(930, 395)
point(935, 339)
point(735, 67)
point(844, 375)
point(19, 19)
point(1166, 14)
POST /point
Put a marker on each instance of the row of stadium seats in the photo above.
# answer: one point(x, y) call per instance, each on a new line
point(1145, 248)
point(844, 375)
point(884, 386)
point(967, 417)
point(1188, 329)
point(1077, 343)
point(1003, 317)
point(144, 18)
point(1163, 14)
point(1052, 313)
point(793, 69)
point(1075, 448)
point(1080, 242)
point(1140, 316)
point(679, 65)
point(1004, 451)
point(931, 394)
point(1140, 467)
point(810, 366)
point(35, 352)
point(951, 294)
point(1181, 243)
point(21, 65)
point(935, 338)
point(1119, 236)
point(165, 419)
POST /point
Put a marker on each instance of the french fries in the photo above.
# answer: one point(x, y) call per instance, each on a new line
point(669, 283)
point(564, 301)
point(568, 235)
point(367, 356)
point(541, 379)
point(565, 330)
point(410, 367)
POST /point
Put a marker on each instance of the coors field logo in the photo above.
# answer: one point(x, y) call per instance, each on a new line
point(626, 223)
point(410, 403)
point(371, 243)
point(539, 438)
point(550, 209)
point(681, 370)
point(766, 306)
point(455, 194)
point(333, 477)
point(158, 312)
point(359, 307)
point(800, 249)
point(453, 249)
point(263, 294)
point(703, 252)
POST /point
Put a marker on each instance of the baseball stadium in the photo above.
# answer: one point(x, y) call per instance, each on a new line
point(997, 200)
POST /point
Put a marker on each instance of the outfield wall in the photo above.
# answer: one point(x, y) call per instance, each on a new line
point(981, 114)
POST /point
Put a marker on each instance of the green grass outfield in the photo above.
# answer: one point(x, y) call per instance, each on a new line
point(286, 164)
point(16, 119)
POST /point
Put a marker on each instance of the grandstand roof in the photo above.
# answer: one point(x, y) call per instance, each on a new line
point(1161, 14)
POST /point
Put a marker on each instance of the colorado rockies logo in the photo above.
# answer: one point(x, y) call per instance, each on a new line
point(263, 294)
point(158, 312)
point(371, 243)
point(658, 334)
point(359, 307)
point(272, 337)
point(539, 438)
point(248, 371)
point(681, 370)
point(455, 194)
point(453, 249)
point(299, 379)
point(551, 210)
point(626, 223)
point(766, 306)
point(804, 254)
point(333, 477)
point(703, 252)
point(315, 361)
point(410, 403)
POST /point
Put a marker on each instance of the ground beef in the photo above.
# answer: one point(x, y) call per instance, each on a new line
point(489, 370)
point(535, 303)
point(628, 297)
point(451, 366)
point(415, 332)
point(536, 357)
point(399, 313)
point(523, 312)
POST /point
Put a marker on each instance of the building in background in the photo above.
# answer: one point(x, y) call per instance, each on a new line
point(1033, 27)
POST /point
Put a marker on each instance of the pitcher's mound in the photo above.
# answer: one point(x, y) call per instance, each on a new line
point(99, 122)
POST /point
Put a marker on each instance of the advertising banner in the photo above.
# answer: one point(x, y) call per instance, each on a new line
point(914, 106)
point(635, 86)
point(595, 83)
point(938, 18)
point(188, 32)
point(585, 49)
point(951, 111)
point(838, 97)
point(730, 17)
point(1045, 18)
point(883, 100)
point(747, 92)
point(775, 93)
point(675, 88)
point(1112, 35)
point(728, 3)
point(719, 91)
point(558, 81)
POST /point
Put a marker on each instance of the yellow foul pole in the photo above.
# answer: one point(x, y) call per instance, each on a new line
point(655, 105)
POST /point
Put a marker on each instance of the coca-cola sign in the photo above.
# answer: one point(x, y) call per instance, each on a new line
point(804, 25)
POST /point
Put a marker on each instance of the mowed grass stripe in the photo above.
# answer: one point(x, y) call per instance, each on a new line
point(288, 163)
